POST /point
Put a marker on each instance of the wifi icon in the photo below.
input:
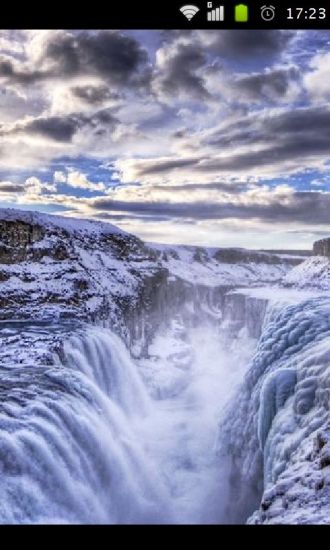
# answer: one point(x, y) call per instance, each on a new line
point(189, 11)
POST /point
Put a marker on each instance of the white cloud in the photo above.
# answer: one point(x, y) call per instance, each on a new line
point(80, 181)
point(150, 139)
point(13, 105)
point(59, 177)
point(317, 81)
point(34, 186)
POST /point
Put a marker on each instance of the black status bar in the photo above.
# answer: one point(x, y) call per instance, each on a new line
point(192, 14)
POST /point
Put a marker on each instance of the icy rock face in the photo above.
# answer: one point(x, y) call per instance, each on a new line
point(301, 494)
point(57, 267)
point(53, 267)
point(160, 300)
point(280, 409)
point(276, 389)
point(242, 311)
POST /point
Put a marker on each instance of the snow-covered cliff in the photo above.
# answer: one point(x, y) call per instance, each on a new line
point(69, 288)
point(55, 268)
point(312, 273)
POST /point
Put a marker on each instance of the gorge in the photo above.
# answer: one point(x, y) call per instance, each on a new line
point(145, 383)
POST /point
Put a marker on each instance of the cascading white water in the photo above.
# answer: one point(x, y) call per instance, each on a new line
point(101, 438)
point(92, 440)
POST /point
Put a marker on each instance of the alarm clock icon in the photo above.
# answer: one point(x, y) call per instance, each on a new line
point(267, 13)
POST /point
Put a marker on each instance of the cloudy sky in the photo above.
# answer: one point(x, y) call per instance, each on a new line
point(218, 138)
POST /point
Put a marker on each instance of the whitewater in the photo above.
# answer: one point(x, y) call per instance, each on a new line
point(197, 431)
point(102, 438)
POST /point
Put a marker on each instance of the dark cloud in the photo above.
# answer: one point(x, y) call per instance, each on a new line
point(94, 94)
point(207, 51)
point(230, 188)
point(55, 128)
point(115, 218)
point(241, 43)
point(102, 123)
point(235, 44)
point(8, 187)
point(107, 54)
point(110, 55)
point(63, 128)
point(270, 86)
point(309, 232)
point(288, 136)
point(10, 71)
point(299, 121)
point(308, 208)
point(164, 166)
point(180, 134)
point(104, 117)
point(179, 73)
point(186, 63)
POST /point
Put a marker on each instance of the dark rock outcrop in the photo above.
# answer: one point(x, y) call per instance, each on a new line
point(238, 255)
point(16, 238)
point(322, 247)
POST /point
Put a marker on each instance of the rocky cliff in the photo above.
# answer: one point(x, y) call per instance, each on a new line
point(58, 272)
point(322, 248)
point(54, 268)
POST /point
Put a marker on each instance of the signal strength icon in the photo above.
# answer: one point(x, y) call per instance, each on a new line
point(189, 11)
point(218, 14)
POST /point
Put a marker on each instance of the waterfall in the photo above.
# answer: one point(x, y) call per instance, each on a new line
point(70, 454)
point(91, 440)
point(101, 437)
point(104, 359)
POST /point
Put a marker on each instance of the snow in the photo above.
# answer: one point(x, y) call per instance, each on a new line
point(74, 226)
point(281, 406)
point(301, 494)
point(205, 269)
point(278, 294)
point(313, 272)
point(91, 273)
point(97, 270)
point(208, 324)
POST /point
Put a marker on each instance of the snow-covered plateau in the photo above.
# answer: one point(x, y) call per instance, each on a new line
point(146, 383)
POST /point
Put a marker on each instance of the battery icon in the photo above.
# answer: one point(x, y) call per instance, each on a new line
point(241, 13)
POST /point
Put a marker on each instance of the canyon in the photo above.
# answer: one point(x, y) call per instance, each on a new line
point(148, 383)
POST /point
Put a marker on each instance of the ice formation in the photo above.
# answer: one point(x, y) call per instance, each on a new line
point(145, 383)
point(281, 408)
